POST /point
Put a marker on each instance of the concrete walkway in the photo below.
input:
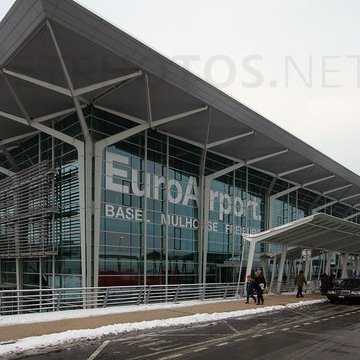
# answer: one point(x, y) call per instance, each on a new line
point(19, 331)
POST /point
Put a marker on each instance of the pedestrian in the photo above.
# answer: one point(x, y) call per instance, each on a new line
point(324, 283)
point(332, 280)
point(250, 287)
point(299, 282)
point(260, 285)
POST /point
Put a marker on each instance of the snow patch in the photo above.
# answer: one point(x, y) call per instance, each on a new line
point(46, 341)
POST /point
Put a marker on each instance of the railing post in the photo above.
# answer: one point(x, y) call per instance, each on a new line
point(202, 296)
point(139, 297)
point(58, 301)
point(226, 290)
point(0, 302)
point(106, 298)
point(148, 295)
point(177, 293)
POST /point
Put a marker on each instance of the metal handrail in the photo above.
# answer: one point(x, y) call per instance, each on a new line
point(49, 300)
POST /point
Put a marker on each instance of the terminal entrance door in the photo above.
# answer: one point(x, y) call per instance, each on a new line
point(227, 273)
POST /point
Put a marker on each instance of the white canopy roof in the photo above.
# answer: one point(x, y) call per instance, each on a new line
point(319, 231)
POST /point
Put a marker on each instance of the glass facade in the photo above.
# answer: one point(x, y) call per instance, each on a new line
point(64, 268)
point(150, 226)
point(151, 185)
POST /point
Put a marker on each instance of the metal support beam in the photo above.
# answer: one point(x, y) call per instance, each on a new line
point(328, 263)
point(203, 208)
point(67, 92)
point(106, 83)
point(139, 128)
point(18, 137)
point(117, 87)
point(345, 258)
point(337, 189)
point(9, 158)
point(265, 157)
point(38, 82)
point(316, 181)
point(271, 187)
point(308, 264)
point(243, 163)
point(84, 127)
point(250, 259)
point(351, 216)
point(281, 268)
point(52, 132)
point(312, 182)
point(148, 101)
point(85, 170)
point(6, 171)
point(273, 273)
point(205, 223)
point(322, 207)
point(301, 168)
point(317, 209)
point(225, 171)
point(349, 197)
point(120, 114)
point(16, 98)
point(285, 192)
point(55, 115)
point(226, 140)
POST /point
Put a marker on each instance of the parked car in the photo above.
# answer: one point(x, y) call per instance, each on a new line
point(347, 290)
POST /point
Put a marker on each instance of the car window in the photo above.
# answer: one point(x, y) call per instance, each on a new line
point(352, 283)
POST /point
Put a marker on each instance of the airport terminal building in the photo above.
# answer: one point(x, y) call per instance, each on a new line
point(119, 167)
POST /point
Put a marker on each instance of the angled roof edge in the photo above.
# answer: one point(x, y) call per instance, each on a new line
point(265, 235)
point(22, 22)
point(19, 23)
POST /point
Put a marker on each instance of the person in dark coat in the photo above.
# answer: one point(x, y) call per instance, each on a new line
point(250, 285)
point(332, 279)
point(324, 283)
point(299, 282)
point(260, 285)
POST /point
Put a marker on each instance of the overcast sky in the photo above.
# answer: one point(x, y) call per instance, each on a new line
point(296, 63)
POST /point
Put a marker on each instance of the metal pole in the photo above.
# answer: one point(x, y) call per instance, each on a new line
point(167, 214)
point(98, 176)
point(204, 209)
point(240, 267)
point(344, 274)
point(273, 272)
point(233, 232)
point(206, 226)
point(328, 263)
point(82, 196)
point(250, 258)
point(145, 209)
point(281, 268)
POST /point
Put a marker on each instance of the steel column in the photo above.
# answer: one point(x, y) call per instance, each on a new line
point(250, 258)
point(281, 268)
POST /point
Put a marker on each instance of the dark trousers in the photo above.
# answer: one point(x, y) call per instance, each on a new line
point(250, 294)
point(260, 297)
point(299, 292)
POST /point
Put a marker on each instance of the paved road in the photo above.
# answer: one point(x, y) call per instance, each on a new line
point(321, 331)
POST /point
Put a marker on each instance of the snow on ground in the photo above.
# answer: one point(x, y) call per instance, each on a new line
point(51, 340)
point(71, 314)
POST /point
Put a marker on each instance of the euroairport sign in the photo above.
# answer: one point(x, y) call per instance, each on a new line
point(120, 178)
